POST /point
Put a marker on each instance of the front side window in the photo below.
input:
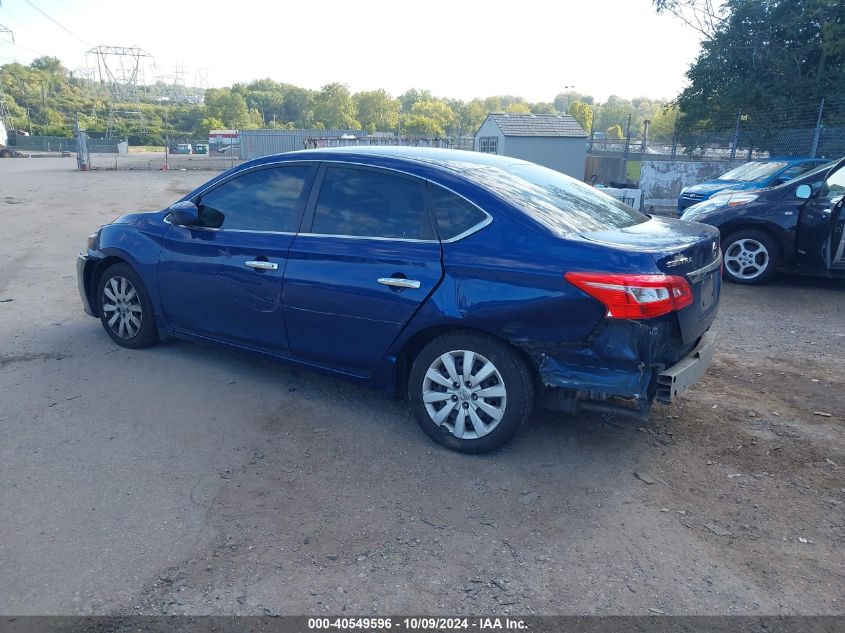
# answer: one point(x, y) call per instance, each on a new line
point(260, 200)
point(454, 214)
point(560, 203)
point(371, 203)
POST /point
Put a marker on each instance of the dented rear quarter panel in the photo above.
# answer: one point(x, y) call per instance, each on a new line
point(508, 280)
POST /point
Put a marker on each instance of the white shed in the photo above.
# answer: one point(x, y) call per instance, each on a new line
point(555, 141)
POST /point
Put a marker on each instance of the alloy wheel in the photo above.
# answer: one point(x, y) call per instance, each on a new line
point(746, 258)
point(122, 307)
point(464, 393)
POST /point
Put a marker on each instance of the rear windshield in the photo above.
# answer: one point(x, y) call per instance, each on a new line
point(751, 172)
point(561, 203)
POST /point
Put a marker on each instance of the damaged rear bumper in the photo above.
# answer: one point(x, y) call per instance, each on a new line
point(679, 377)
point(640, 361)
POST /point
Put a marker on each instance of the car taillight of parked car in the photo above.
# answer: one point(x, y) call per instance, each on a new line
point(634, 296)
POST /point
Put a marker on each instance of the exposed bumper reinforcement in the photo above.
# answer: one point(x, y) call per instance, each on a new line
point(81, 279)
point(679, 377)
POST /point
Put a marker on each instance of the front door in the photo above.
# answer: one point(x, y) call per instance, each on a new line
point(366, 259)
point(820, 226)
point(224, 280)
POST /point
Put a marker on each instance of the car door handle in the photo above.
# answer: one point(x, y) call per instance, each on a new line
point(399, 282)
point(261, 265)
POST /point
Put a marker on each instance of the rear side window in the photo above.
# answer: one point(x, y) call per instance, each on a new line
point(371, 203)
point(261, 200)
point(454, 214)
point(562, 204)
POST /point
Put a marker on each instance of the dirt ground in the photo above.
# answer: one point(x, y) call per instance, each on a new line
point(190, 479)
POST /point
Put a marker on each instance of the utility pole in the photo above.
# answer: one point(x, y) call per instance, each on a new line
point(628, 137)
point(569, 90)
point(816, 136)
point(166, 140)
point(82, 162)
point(735, 143)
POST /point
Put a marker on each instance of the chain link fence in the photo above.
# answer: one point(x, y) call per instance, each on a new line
point(807, 128)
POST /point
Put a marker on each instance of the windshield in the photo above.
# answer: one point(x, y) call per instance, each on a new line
point(561, 203)
point(751, 172)
point(811, 173)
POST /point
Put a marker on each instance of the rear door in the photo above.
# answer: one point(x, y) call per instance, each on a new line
point(366, 259)
point(224, 280)
point(820, 225)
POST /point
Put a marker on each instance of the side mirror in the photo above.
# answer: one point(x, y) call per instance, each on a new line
point(803, 192)
point(184, 213)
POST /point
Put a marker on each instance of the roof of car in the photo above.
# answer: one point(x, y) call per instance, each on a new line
point(452, 159)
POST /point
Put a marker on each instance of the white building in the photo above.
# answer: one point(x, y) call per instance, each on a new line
point(554, 141)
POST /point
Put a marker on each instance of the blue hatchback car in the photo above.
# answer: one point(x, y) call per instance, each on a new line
point(473, 285)
point(757, 174)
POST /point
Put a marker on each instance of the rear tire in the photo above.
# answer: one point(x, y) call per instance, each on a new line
point(477, 417)
point(125, 309)
point(750, 257)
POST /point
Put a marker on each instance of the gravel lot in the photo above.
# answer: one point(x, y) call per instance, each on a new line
point(190, 479)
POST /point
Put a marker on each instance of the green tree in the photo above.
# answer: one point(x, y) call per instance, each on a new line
point(470, 117)
point(299, 105)
point(518, 108)
point(703, 16)
point(418, 124)
point(229, 107)
point(562, 100)
point(663, 123)
point(265, 96)
point(432, 115)
point(410, 97)
point(582, 113)
point(334, 107)
point(377, 110)
point(51, 65)
point(614, 132)
point(544, 108)
point(772, 60)
point(210, 123)
point(614, 111)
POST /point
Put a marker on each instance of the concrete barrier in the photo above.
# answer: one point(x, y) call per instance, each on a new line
point(661, 181)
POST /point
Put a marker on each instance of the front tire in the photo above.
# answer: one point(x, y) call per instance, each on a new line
point(470, 392)
point(750, 257)
point(125, 309)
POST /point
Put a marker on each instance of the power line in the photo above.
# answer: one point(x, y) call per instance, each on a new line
point(57, 23)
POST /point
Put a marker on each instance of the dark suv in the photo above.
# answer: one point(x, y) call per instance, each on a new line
point(796, 226)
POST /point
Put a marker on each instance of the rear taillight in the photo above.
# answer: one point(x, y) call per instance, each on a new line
point(634, 296)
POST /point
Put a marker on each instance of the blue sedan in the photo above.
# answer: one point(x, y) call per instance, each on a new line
point(757, 174)
point(473, 285)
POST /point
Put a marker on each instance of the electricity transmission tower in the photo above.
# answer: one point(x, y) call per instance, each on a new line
point(119, 70)
point(201, 79)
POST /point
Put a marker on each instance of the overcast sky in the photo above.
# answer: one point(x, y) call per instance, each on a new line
point(455, 48)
